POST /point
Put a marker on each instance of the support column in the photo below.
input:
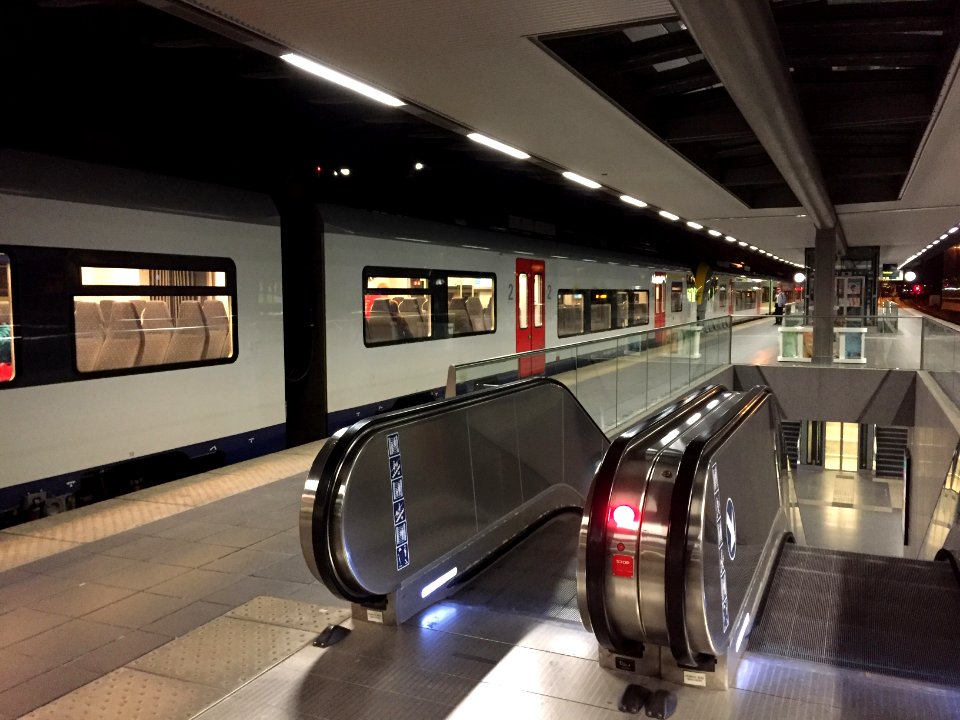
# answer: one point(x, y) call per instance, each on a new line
point(825, 295)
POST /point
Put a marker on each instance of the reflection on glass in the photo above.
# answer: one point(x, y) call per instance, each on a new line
point(538, 300)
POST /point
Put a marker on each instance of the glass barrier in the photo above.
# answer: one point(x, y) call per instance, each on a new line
point(618, 378)
point(885, 341)
point(940, 351)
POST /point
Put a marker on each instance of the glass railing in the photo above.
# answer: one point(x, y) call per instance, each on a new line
point(940, 350)
point(886, 341)
point(615, 379)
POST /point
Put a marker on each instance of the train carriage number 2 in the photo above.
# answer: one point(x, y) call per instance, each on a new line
point(510, 292)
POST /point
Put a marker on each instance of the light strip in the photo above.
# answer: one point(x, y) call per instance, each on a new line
point(715, 233)
point(339, 78)
point(633, 201)
point(586, 182)
point(668, 215)
point(439, 582)
point(694, 225)
point(497, 145)
point(730, 238)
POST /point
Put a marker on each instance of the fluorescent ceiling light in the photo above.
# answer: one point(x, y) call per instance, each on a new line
point(497, 145)
point(943, 237)
point(715, 233)
point(936, 242)
point(731, 238)
point(633, 201)
point(339, 78)
point(589, 260)
point(580, 179)
point(741, 243)
point(475, 247)
point(694, 225)
point(953, 229)
point(753, 247)
point(669, 215)
point(559, 257)
point(929, 246)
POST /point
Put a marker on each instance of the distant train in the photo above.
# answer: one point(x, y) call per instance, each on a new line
point(142, 323)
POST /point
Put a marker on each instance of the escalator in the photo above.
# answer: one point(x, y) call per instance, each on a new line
point(693, 559)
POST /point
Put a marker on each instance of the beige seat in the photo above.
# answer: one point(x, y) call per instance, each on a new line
point(410, 315)
point(488, 316)
point(218, 329)
point(189, 336)
point(474, 310)
point(600, 317)
point(89, 334)
point(157, 327)
point(122, 339)
point(379, 327)
point(139, 305)
point(457, 310)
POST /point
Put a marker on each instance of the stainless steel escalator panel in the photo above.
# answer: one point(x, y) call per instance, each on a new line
point(609, 568)
point(398, 505)
point(725, 548)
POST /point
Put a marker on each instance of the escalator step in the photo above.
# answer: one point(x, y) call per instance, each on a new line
point(865, 612)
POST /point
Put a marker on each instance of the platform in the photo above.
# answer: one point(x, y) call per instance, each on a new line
point(192, 599)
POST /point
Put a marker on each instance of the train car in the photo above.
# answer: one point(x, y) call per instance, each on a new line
point(407, 299)
point(142, 321)
point(141, 333)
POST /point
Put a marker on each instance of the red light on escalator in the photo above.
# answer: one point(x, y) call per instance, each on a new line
point(625, 517)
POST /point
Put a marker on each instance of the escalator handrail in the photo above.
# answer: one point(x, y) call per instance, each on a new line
point(700, 448)
point(595, 551)
point(347, 443)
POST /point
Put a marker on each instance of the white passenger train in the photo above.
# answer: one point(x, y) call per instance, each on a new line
point(146, 324)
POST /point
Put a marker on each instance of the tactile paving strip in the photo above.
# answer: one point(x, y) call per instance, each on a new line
point(290, 614)
point(224, 653)
point(125, 694)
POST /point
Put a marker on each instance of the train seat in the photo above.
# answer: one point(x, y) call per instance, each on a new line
point(474, 310)
point(488, 316)
point(89, 334)
point(379, 326)
point(218, 329)
point(157, 327)
point(457, 310)
point(122, 339)
point(190, 335)
point(139, 304)
point(600, 317)
point(410, 315)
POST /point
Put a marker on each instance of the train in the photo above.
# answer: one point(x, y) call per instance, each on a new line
point(145, 333)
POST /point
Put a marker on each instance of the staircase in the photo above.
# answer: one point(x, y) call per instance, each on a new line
point(791, 440)
point(891, 442)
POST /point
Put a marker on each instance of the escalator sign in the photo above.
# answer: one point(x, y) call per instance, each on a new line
point(395, 475)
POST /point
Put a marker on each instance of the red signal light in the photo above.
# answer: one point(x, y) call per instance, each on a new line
point(625, 517)
point(916, 289)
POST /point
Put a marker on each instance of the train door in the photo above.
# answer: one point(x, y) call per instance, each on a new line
point(659, 301)
point(531, 333)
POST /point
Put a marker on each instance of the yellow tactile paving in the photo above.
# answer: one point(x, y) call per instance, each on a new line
point(41, 538)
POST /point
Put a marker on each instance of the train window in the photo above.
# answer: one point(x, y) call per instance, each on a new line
point(134, 317)
point(676, 297)
point(470, 304)
point(396, 309)
point(621, 309)
point(522, 309)
point(538, 300)
point(601, 311)
point(640, 307)
point(569, 313)
point(7, 364)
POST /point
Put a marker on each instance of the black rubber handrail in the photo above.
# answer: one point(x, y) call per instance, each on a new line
point(595, 552)
point(347, 442)
point(699, 449)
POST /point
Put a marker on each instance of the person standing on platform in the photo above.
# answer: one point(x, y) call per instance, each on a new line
point(779, 304)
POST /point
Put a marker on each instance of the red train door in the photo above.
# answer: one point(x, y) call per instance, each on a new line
point(531, 333)
point(659, 302)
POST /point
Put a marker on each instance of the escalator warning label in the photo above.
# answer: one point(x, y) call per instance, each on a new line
point(623, 566)
point(395, 473)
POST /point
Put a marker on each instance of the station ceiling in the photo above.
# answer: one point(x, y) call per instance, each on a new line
point(615, 90)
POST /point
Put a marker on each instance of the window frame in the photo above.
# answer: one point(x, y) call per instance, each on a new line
point(10, 340)
point(77, 291)
point(436, 290)
point(588, 299)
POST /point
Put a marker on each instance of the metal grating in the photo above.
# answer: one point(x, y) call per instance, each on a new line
point(864, 612)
